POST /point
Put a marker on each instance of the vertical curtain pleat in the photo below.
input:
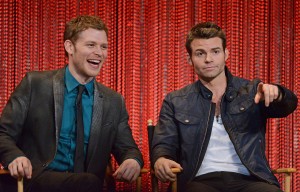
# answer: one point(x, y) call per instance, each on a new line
point(7, 53)
point(294, 127)
point(147, 56)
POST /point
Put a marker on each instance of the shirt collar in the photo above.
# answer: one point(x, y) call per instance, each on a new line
point(72, 83)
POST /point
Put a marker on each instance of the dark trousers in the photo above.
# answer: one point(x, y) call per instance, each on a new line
point(50, 181)
point(229, 182)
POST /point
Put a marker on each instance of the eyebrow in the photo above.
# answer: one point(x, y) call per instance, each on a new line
point(94, 42)
point(90, 42)
point(215, 48)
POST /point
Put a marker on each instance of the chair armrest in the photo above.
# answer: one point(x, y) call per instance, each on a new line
point(176, 170)
point(284, 170)
point(3, 171)
point(19, 180)
point(143, 170)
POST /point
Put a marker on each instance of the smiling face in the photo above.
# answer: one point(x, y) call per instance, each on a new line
point(87, 54)
point(208, 59)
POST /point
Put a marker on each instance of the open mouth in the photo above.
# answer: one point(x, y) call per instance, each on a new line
point(93, 61)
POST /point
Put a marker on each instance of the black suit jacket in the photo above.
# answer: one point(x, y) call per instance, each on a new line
point(31, 121)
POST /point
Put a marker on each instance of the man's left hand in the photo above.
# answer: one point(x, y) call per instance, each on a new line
point(129, 170)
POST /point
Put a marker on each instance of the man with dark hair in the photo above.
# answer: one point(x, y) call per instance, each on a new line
point(214, 129)
point(60, 127)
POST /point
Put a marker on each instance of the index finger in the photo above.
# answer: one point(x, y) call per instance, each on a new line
point(117, 174)
point(259, 93)
point(266, 90)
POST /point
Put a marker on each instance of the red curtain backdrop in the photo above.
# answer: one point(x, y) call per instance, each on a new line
point(147, 57)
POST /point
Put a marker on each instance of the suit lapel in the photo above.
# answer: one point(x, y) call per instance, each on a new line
point(58, 91)
point(96, 123)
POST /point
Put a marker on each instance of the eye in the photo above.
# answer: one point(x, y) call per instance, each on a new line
point(91, 45)
point(199, 53)
point(104, 47)
point(216, 51)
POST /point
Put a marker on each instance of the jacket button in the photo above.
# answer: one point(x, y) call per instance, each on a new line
point(186, 120)
point(242, 109)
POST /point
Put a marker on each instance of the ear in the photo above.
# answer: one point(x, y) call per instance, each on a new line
point(69, 47)
point(226, 54)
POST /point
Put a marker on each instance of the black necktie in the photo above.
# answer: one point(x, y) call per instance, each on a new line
point(79, 153)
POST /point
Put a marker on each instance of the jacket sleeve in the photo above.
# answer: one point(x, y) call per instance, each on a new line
point(284, 107)
point(12, 121)
point(165, 137)
point(124, 145)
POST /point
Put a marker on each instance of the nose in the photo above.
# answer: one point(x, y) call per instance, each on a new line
point(208, 58)
point(99, 51)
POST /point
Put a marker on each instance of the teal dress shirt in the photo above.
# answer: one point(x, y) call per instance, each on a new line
point(64, 157)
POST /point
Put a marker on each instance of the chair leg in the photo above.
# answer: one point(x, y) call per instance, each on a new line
point(138, 184)
point(174, 186)
point(287, 182)
point(154, 182)
point(20, 184)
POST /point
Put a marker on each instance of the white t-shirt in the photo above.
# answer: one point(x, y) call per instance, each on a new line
point(221, 154)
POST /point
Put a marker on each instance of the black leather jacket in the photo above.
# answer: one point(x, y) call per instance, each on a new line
point(186, 119)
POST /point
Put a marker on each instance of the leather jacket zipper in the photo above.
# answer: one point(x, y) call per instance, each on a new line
point(199, 154)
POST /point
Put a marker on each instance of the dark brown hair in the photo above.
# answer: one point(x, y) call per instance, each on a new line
point(205, 30)
point(81, 23)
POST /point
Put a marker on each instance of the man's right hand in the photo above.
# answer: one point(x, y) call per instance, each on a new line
point(20, 167)
point(162, 168)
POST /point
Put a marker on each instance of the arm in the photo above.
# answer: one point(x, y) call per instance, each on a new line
point(278, 100)
point(165, 143)
point(165, 136)
point(125, 149)
point(11, 126)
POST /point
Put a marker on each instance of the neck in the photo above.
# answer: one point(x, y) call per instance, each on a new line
point(217, 87)
point(82, 79)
